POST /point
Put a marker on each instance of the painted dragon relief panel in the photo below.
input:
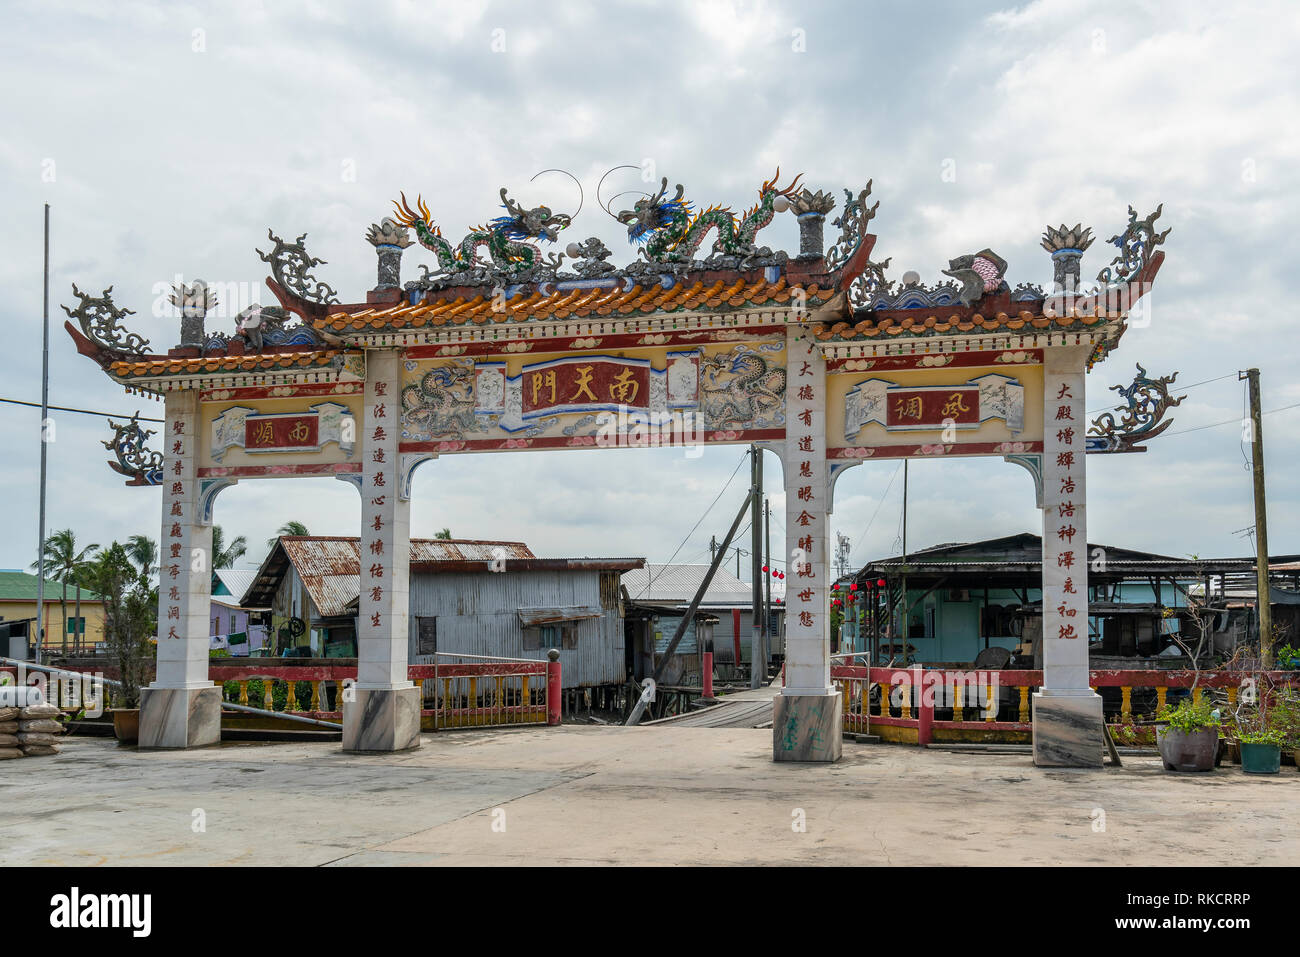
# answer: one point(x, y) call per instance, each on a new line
point(714, 393)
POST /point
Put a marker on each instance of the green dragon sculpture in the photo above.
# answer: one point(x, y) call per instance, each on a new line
point(505, 237)
point(672, 233)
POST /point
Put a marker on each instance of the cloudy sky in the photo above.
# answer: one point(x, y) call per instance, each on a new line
point(168, 137)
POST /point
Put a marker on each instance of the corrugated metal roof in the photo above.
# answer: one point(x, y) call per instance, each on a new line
point(236, 580)
point(17, 585)
point(529, 617)
point(330, 567)
point(677, 584)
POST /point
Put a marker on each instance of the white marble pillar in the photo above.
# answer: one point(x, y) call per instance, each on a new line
point(181, 708)
point(807, 720)
point(1067, 714)
point(382, 711)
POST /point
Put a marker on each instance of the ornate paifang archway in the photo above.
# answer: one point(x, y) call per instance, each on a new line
point(816, 356)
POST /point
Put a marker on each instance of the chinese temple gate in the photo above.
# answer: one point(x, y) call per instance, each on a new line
point(815, 357)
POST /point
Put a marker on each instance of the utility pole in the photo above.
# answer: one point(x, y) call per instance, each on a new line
point(757, 658)
point(1262, 595)
point(767, 585)
point(904, 627)
point(45, 415)
point(713, 547)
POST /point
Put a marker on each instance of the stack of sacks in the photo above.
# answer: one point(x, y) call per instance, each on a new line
point(9, 734)
point(39, 730)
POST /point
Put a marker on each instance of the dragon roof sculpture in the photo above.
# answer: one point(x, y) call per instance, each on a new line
point(497, 277)
point(668, 232)
point(507, 238)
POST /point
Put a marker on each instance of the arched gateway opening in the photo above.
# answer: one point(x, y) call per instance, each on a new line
point(815, 357)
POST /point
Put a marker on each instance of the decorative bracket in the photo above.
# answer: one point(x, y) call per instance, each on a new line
point(1142, 419)
point(209, 489)
point(290, 263)
point(139, 463)
point(1033, 464)
point(98, 318)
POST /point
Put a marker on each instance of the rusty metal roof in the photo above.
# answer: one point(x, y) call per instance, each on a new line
point(330, 566)
point(528, 617)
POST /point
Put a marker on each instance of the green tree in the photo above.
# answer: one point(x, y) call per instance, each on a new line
point(143, 551)
point(288, 528)
point(444, 534)
point(130, 617)
point(62, 563)
point(225, 556)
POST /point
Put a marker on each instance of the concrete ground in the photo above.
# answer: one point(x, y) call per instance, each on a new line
point(608, 795)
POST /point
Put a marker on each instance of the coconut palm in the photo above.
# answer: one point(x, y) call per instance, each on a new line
point(143, 552)
point(130, 616)
point(444, 534)
point(63, 563)
point(224, 556)
point(288, 528)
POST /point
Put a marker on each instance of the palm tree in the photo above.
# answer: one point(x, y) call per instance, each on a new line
point(444, 534)
point(130, 616)
point(64, 564)
point(288, 528)
point(143, 552)
point(225, 557)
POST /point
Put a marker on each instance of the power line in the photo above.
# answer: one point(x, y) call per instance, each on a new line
point(879, 505)
point(64, 408)
point(1183, 388)
point(1216, 425)
point(651, 579)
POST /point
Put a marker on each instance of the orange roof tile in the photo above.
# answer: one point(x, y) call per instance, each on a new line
point(924, 325)
point(567, 304)
point(198, 365)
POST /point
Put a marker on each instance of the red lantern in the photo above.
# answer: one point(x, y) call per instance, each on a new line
point(780, 574)
point(880, 583)
point(853, 586)
point(764, 568)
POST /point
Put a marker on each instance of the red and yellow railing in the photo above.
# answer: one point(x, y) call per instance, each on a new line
point(923, 705)
point(478, 693)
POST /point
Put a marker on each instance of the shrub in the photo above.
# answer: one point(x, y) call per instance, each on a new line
point(1190, 716)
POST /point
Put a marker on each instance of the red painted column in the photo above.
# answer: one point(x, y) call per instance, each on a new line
point(553, 687)
point(735, 632)
point(924, 708)
point(708, 676)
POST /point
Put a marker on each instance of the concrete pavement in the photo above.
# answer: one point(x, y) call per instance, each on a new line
point(650, 795)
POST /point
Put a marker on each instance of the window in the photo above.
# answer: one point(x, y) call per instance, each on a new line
point(609, 594)
point(426, 640)
point(560, 635)
point(76, 626)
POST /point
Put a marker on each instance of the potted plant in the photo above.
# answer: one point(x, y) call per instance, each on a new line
point(1190, 742)
point(1286, 719)
point(130, 617)
point(1261, 751)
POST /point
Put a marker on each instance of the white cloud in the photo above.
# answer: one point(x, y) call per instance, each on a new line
point(170, 160)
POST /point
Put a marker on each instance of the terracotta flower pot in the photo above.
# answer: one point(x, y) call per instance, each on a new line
point(1188, 750)
point(126, 724)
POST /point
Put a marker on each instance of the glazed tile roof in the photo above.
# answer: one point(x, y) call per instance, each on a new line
point(917, 322)
point(199, 365)
point(565, 304)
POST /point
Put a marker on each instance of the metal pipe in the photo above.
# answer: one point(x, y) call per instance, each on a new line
point(225, 704)
point(757, 657)
point(45, 414)
point(699, 594)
